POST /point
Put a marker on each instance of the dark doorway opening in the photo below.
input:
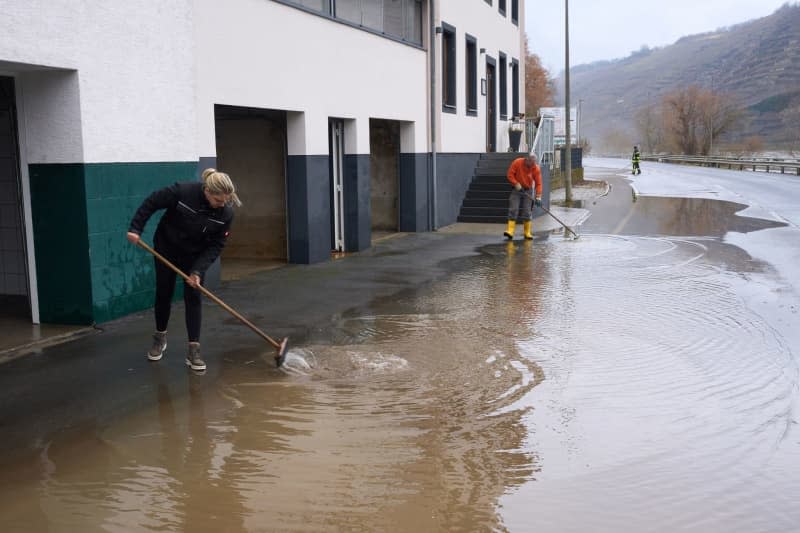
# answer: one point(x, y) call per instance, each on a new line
point(251, 147)
point(384, 146)
point(14, 289)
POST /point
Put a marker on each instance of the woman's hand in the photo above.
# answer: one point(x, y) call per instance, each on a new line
point(133, 237)
point(193, 281)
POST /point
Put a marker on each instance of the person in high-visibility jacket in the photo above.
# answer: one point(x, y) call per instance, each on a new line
point(635, 160)
point(524, 174)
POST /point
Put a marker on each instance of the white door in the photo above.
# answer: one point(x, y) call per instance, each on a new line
point(337, 181)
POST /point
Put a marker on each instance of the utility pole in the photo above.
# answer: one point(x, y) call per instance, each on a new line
point(713, 110)
point(567, 140)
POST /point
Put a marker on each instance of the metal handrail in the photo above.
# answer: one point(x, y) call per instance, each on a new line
point(766, 164)
point(543, 141)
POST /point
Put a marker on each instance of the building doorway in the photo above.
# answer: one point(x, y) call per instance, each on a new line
point(251, 147)
point(336, 163)
point(14, 289)
point(384, 146)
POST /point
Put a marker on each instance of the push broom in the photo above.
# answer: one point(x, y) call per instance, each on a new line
point(280, 347)
point(575, 235)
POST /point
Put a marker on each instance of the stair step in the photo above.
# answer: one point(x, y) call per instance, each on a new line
point(501, 203)
point(496, 187)
point(488, 195)
point(505, 156)
point(479, 172)
point(482, 219)
point(484, 211)
point(490, 178)
point(494, 164)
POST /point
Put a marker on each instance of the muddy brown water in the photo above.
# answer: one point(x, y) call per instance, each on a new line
point(613, 383)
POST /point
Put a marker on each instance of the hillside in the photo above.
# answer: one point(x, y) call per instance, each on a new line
point(758, 62)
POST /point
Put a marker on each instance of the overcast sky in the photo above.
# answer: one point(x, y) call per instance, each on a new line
point(612, 29)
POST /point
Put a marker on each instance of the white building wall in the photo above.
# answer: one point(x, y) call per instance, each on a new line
point(263, 54)
point(51, 116)
point(122, 70)
point(496, 33)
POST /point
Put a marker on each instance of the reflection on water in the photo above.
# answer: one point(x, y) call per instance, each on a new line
point(606, 384)
point(690, 216)
point(667, 404)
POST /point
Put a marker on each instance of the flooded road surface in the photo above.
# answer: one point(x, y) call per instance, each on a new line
point(623, 381)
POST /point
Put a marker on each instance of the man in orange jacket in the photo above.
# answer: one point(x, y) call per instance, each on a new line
point(523, 174)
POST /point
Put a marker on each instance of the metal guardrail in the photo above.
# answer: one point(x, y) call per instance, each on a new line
point(763, 164)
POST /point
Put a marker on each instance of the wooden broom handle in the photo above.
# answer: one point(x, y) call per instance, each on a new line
point(209, 294)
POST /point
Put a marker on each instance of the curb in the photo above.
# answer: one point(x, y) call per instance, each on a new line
point(16, 352)
point(634, 191)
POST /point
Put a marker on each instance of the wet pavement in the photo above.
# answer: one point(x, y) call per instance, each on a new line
point(643, 377)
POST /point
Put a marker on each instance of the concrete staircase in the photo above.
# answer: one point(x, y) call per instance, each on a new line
point(486, 199)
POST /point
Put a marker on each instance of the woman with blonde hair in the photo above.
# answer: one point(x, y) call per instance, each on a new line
point(191, 235)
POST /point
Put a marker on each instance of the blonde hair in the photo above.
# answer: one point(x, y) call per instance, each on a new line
point(217, 182)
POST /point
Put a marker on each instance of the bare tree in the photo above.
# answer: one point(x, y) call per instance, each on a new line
point(539, 86)
point(791, 120)
point(681, 119)
point(694, 117)
point(720, 114)
point(650, 128)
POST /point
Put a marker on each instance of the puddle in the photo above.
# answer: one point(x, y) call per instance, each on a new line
point(614, 383)
point(690, 217)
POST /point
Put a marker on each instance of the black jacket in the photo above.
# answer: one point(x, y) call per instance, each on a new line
point(190, 227)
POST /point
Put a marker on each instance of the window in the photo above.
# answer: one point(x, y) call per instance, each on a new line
point(501, 7)
point(372, 15)
point(349, 10)
point(514, 87)
point(399, 19)
point(503, 86)
point(393, 17)
point(323, 6)
point(471, 79)
point(412, 31)
point(515, 11)
point(448, 68)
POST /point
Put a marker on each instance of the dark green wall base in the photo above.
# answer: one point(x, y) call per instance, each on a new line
point(61, 244)
point(87, 272)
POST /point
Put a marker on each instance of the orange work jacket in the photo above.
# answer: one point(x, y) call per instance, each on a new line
point(519, 173)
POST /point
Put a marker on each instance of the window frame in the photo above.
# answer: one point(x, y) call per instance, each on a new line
point(515, 112)
point(502, 81)
point(471, 74)
point(409, 31)
point(449, 70)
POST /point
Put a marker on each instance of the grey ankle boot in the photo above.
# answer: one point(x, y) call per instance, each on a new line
point(159, 346)
point(193, 359)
